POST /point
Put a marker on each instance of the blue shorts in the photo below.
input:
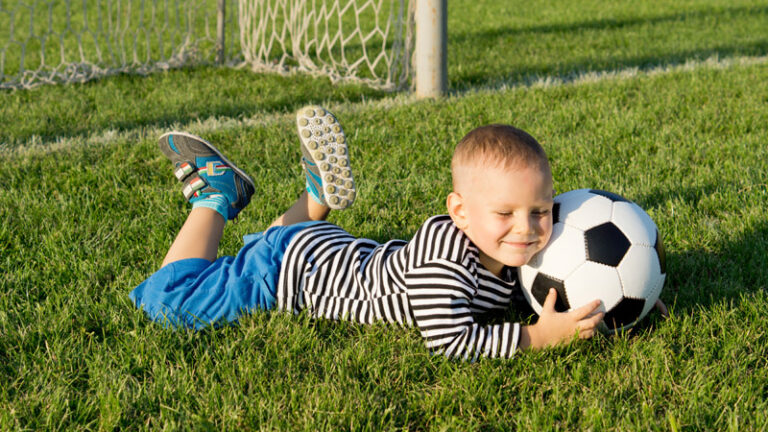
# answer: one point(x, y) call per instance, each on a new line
point(196, 293)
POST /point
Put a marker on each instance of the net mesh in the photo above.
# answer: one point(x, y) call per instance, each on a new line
point(64, 41)
point(353, 40)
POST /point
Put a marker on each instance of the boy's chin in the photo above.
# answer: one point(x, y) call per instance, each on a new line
point(517, 261)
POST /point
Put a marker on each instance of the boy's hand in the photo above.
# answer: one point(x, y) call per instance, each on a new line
point(554, 328)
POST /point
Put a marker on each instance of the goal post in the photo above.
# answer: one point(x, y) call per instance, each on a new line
point(431, 78)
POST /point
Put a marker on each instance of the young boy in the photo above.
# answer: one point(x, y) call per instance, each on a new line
point(456, 269)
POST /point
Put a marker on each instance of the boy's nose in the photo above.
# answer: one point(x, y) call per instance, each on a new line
point(523, 225)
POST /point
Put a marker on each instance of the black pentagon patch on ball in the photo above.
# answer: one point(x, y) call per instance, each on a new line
point(556, 213)
point(610, 195)
point(606, 244)
point(659, 246)
point(540, 288)
point(625, 313)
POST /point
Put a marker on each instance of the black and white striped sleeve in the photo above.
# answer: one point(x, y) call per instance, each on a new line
point(440, 292)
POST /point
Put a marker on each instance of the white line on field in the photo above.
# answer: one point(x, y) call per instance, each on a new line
point(38, 145)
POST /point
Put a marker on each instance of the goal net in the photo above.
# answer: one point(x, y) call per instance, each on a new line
point(351, 40)
point(63, 41)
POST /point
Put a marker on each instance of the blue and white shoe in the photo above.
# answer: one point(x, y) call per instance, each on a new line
point(325, 158)
point(206, 173)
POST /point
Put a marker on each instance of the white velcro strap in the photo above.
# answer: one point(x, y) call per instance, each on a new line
point(193, 186)
point(183, 170)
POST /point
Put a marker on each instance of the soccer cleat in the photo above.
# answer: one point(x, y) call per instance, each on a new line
point(325, 158)
point(205, 172)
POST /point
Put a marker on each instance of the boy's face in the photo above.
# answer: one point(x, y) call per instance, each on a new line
point(506, 212)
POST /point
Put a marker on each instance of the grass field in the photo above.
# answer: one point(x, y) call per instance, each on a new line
point(622, 96)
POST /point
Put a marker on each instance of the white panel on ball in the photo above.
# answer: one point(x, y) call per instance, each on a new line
point(576, 212)
point(559, 262)
point(634, 223)
point(653, 295)
point(639, 272)
point(592, 281)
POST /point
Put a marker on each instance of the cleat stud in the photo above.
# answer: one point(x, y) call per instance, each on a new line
point(332, 159)
point(330, 119)
point(303, 122)
point(340, 139)
point(325, 166)
point(312, 145)
point(348, 184)
point(334, 200)
point(329, 177)
point(306, 133)
point(342, 151)
point(309, 112)
point(347, 173)
point(337, 129)
point(319, 155)
point(343, 162)
point(318, 121)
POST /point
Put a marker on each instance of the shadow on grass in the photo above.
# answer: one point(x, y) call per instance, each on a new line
point(703, 277)
point(129, 102)
point(491, 78)
point(611, 23)
point(570, 72)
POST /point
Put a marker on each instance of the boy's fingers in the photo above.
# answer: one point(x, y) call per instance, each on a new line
point(596, 319)
point(586, 310)
point(549, 302)
point(662, 308)
point(588, 326)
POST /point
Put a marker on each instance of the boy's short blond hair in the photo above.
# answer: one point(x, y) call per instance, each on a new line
point(498, 145)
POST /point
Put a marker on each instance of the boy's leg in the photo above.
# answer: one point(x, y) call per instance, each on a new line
point(304, 209)
point(217, 189)
point(325, 160)
point(199, 237)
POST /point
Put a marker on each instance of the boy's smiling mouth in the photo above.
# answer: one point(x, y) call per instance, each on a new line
point(518, 244)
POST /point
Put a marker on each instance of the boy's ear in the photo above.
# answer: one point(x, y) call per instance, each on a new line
point(455, 204)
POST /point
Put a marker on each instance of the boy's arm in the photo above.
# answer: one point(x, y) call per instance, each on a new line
point(439, 293)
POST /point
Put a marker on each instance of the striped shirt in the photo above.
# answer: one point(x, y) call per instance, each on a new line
point(435, 282)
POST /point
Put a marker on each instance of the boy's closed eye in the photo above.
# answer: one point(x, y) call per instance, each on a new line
point(537, 212)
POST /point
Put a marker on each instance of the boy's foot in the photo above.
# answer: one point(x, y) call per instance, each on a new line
point(206, 173)
point(325, 158)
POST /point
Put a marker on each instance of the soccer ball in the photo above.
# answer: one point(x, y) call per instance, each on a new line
point(602, 246)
